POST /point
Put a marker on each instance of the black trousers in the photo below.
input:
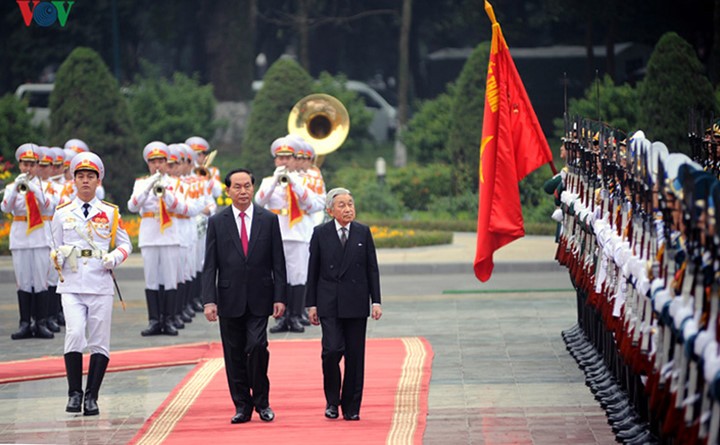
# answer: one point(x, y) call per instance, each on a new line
point(343, 337)
point(245, 348)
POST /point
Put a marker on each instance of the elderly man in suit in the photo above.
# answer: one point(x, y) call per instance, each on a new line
point(244, 282)
point(343, 282)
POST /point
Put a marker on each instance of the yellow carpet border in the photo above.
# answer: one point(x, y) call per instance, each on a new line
point(407, 398)
point(163, 425)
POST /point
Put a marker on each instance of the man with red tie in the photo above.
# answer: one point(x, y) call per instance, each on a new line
point(244, 282)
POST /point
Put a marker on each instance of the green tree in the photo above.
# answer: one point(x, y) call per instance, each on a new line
point(283, 85)
point(674, 84)
point(171, 110)
point(466, 125)
point(15, 126)
point(86, 104)
point(619, 106)
point(428, 131)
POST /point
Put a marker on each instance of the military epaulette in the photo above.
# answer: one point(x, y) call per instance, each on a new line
point(109, 203)
point(65, 204)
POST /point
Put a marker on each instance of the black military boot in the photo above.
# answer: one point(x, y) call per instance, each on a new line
point(304, 320)
point(25, 308)
point(73, 369)
point(40, 308)
point(168, 316)
point(296, 305)
point(60, 316)
point(182, 292)
point(96, 372)
point(53, 308)
point(152, 299)
point(196, 293)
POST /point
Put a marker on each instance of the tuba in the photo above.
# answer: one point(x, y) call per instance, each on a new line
point(322, 120)
point(204, 169)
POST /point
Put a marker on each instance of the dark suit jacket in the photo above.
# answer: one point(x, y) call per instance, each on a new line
point(255, 282)
point(342, 282)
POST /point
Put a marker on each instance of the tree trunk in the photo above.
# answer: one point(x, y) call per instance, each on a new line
point(229, 48)
point(403, 82)
point(303, 30)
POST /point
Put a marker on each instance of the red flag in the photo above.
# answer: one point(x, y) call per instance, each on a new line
point(512, 146)
point(294, 212)
point(34, 217)
point(165, 218)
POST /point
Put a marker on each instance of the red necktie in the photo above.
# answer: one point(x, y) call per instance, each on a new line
point(243, 233)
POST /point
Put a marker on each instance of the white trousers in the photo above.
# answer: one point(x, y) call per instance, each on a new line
point(31, 268)
point(200, 253)
point(161, 264)
point(297, 256)
point(89, 312)
point(186, 265)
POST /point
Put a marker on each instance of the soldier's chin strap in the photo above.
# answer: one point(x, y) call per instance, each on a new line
point(89, 240)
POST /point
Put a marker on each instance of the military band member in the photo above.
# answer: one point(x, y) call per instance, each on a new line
point(51, 191)
point(68, 194)
point(29, 244)
point(209, 189)
point(157, 202)
point(90, 242)
point(287, 195)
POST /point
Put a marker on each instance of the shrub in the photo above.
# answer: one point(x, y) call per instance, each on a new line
point(171, 110)
point(86, 104)
point(619, 106)
point(284, 84)
point(466, 125)
point(15, 126)
point(393, 237)
point(416, 185)
point(428, 131)
point(675, 83)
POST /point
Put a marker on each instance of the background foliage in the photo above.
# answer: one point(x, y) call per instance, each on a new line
point(170, 110)
point(86, 104)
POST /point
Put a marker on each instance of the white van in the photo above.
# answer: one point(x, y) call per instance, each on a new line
point(37, 96)
point(384, 121)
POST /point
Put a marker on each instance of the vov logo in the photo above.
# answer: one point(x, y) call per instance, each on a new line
point(45, 13)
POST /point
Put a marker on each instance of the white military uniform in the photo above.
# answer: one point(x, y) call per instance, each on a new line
point(87, 292)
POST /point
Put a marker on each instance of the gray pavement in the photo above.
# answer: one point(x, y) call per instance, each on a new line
point(500, 371)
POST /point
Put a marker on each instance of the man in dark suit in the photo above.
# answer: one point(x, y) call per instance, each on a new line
point(343, 281)
point(243, 283)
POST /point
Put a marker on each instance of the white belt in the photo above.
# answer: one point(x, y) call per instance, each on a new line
point(72, 253)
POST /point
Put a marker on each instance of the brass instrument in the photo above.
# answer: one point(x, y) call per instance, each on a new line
point(204, 169)
point(22, 183)
point(284, 178)
point(158, 189)
point(321, 120)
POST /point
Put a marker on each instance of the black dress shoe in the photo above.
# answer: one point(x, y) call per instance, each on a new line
point(75, 400)
point(294, 325)
point(351, 416)
point(331, 412)
point(266, 414)
point(280, 326)
point(240, 418)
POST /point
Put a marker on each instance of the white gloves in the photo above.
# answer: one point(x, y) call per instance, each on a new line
point(57, 258)
point(557, 215)
point(111, 260)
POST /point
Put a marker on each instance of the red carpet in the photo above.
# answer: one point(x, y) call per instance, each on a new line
point(394, 408)
point(49, 367)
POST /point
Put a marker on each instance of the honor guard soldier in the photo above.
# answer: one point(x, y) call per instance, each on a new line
point(69, 191)
point(306, 164)
point(51, 191)
point(29, 243)
point(209, 189)
point(90, 242)
point(286, 194)
point(156, 201)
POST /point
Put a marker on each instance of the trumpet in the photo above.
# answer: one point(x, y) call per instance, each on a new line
point(22, 183)
point(159, 189)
